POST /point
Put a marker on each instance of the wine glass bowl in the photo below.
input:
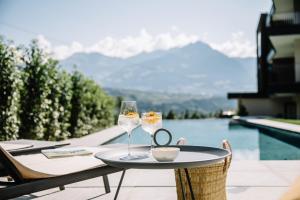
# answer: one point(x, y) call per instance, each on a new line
point(128, 120)
point(151, 121)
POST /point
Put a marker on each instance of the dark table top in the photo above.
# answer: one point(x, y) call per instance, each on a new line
point(189, 156)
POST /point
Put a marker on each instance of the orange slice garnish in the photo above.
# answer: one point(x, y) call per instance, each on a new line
point(132, 114)
point(152, 117)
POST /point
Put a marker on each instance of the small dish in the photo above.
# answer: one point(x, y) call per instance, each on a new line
point(165, 154)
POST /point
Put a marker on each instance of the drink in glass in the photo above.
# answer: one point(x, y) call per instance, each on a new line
point(128, 120)
point(151, 121)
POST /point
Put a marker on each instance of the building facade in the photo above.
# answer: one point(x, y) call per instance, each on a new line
point(278, 64)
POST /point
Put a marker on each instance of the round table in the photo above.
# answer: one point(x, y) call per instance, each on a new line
point(189, 157)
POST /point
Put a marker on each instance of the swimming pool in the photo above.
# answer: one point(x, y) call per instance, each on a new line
point(247, 143)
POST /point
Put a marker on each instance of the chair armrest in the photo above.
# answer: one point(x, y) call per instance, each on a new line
point(37, 146)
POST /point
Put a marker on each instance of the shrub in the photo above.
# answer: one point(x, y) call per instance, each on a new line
point(91, 108)
point(58, 110)
point(40, 101)
point(34, 101)
point(9, 92)
point(65, 104)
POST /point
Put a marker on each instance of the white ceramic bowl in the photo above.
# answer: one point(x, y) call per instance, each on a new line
point(165, 154)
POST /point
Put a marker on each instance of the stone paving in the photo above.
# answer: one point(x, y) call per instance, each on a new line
point(246, 180)
point(272, 124)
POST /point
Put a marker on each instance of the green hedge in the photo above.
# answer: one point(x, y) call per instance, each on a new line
point(41, 101)
point(91, 107)
point(9, 92)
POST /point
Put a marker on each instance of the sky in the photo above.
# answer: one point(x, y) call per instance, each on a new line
point(125, 28)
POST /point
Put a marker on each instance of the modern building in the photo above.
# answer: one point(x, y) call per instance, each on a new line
point(278, 64)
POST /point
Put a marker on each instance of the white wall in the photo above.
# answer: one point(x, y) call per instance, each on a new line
point(297, 60)
point(258, 107)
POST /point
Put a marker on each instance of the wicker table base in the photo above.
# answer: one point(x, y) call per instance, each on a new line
point(189, 183)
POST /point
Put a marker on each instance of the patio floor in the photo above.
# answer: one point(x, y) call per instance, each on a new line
point(246, 180)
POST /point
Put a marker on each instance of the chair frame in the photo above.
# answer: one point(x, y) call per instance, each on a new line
point(20, 186)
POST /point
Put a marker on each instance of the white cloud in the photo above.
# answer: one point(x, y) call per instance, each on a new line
point(222, 83)
point(196, 76)
point(174, 28)
point(63, 51)
point(123, 47)
point(237, 46)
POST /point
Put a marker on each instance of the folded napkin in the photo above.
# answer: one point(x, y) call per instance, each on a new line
point(66, 152)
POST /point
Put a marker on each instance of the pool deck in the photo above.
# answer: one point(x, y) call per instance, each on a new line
point(247, 179)
point(266, 180)
point(270, 123)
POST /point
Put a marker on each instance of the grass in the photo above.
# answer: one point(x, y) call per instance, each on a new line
point(290, 121)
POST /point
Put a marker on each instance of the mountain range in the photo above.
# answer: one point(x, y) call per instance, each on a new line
point(193, 69)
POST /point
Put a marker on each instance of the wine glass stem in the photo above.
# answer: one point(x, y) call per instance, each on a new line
point(129, 140)
point(152, 136)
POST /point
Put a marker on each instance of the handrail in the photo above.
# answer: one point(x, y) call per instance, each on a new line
point(288, 18)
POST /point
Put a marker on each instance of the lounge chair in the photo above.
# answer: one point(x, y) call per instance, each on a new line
point(24, 146)
point(34, 172)
point(208, 182)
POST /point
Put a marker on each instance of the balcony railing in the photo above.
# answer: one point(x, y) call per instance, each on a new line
point(281, 19)
point(284, 88)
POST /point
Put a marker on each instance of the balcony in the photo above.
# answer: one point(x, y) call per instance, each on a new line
point(282, 71)
point(283, 19)
point(284, 88)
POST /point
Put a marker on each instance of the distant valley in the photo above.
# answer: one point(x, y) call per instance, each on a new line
point(179, 103)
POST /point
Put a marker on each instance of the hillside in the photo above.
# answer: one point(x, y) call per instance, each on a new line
point(179, 103)
point(194, 69)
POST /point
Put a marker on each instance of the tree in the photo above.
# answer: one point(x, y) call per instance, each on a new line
point(171, 115)
point(65, 104)
point(35, 93)
point(100, 106)
point(186, 114)
point(242, 110)
point(195, 115)
point(58, 111)
point(9, 92)
point(77, 112)
point(91, 108)
point(202, 115)
point(219, 113)
point(40, 101)
point(52, 112)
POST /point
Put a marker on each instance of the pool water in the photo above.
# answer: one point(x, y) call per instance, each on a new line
point(247, 143)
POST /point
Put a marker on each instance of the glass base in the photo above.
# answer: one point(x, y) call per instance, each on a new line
point(134, 157)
